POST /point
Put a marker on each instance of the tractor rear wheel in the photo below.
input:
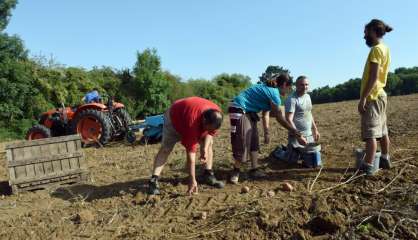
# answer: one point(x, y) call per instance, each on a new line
point(124, 116)
point(93, 126)
point(37, 132)
point(121, 122)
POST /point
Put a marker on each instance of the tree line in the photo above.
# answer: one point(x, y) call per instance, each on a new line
point(400, 82)
point(32, 85)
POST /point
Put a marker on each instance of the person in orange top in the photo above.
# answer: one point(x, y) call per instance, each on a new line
point(191, 121)
point(373, 101)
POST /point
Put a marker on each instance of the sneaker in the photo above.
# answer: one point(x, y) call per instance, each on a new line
point(153, 188)
point(256, 173)
point(385, 163)
point(210, 179)
point(368, 169)
point(234, 176)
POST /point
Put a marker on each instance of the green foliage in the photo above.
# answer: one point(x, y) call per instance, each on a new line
point(178, 88)
point(272, 70)
point(221, 89)
point(6, 7)
point(150, 84)
point(228, 86)
point(402, 81)
point(365, 228)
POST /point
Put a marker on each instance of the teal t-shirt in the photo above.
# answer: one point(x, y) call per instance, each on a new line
point(257, 98)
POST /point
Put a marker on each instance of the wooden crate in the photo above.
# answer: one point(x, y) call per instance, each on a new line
point(38, 164)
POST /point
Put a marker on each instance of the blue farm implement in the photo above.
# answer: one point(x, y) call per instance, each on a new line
point(151, 128)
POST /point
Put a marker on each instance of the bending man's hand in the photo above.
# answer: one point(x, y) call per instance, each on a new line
point(192, 187)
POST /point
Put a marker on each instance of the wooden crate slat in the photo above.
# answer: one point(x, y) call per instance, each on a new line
point(43, 141)
point(46, 183)
point(20, 171)
point(30, 170)
point(48, 167)
point(46, 159)
point(40, 163)
point(9, 158)
point(71, 146)
point(54, 175)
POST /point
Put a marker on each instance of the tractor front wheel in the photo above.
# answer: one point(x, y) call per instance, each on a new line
point(38, 132)
point(93, 126)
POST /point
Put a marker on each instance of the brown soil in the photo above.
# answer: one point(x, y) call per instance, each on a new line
point(115, 206)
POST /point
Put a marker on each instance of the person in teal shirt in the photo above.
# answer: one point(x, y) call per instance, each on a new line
point(243, 114)
point(257, 98)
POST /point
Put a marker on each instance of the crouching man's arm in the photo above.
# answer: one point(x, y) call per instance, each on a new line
point(191, 162)
point(205, 148)
point(315, 131)
point(289, 118)
point(289, 126)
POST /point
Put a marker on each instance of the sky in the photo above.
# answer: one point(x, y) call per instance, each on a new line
point(322, 39)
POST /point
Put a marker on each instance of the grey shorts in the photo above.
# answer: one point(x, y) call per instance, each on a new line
point(374, 121)
point(244, 134)
point(170, 135)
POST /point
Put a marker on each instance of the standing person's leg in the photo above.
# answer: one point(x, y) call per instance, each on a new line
point(253, 143)
point(384, 145)
point(170, 138)
point(371, 129)
point(238, 141)
point(161, 159)
point(371, 147)
point(254, 146)
point(384, 141)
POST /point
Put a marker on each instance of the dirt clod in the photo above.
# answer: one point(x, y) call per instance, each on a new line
point(86, 215)
point(245, 189)
point(200, 215)
point(287, 187)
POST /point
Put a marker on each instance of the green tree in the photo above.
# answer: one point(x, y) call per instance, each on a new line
point(228, 86)
point(178, 88)
point(6, 7)
point(393, 85)
point(271, 70)
point(151, 85)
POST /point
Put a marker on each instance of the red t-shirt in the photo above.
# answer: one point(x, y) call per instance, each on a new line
point(186, 117)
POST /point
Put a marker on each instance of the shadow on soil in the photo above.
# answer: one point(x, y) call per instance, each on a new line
point(88, 192)
point(284, 171)
point(5, 189)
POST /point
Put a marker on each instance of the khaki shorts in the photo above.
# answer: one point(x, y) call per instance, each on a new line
point(244, 134)
point(170, 135)
point(373, 121)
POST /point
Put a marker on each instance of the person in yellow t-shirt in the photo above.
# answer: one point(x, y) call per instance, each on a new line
point(373, 99)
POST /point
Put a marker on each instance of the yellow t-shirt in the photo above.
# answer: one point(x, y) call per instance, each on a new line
point(379, 54)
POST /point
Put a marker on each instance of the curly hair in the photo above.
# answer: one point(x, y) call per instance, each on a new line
point(278, 80)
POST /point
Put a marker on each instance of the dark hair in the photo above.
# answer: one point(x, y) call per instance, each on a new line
point(213, 117)
point(300, 78)
point(278, 80)
point(379, 27)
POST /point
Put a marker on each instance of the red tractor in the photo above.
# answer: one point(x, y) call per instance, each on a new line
point(95, 122)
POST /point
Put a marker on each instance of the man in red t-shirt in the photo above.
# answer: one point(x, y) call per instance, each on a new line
point(192, 121)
